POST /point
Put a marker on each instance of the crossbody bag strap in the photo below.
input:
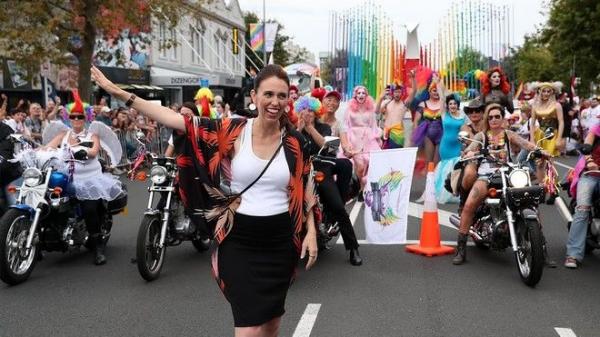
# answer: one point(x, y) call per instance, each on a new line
point(264, 170)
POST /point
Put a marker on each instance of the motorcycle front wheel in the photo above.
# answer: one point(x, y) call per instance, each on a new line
point(16, 262)
point(149, 256)
point(530, 252)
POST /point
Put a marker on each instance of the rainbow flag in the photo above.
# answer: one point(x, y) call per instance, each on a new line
point(257, 38)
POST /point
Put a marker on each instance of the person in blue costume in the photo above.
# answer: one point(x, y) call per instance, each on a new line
point(452, 121)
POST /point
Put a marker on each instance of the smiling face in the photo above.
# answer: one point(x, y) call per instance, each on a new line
point(77, 121)
point(452, 106)
point(294, 95)
point(495, 79)
point(331, 104)
point(545, 93)
point(35, 110)
point(433, 93)
point(361, 95)
point(271, 98)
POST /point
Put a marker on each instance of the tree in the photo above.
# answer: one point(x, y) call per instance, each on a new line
point(326, 71)
point(302, 56)
point(572, 35)
point(533, 61)
point(466, 60)
point(64, 31)
point(280, 54)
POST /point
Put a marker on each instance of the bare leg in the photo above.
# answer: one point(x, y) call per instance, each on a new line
point(269, 329)
point(429, 150)
point(476, 197)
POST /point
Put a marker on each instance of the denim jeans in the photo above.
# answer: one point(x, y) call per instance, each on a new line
point(586, 187)
point(522, 159)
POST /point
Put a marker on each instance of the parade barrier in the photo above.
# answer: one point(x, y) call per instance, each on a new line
point(429, 240)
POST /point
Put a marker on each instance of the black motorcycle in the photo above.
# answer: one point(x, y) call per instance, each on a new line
point(327, 228)
point(166, 223)
point(508, 218)
point(46, 217)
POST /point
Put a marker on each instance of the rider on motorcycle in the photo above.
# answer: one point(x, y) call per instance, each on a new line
point(8, 171)
point(497, 141)
point(314, 131)
point(586, 186)
point(90, 185)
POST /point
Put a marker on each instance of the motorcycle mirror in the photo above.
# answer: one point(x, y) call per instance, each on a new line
point(140, 135)
point(549, 133)
point(463, 134)
point(333, 142)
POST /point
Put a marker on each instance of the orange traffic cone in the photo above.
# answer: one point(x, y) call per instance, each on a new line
point(429, 242)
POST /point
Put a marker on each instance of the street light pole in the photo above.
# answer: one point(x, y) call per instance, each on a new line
point(264, 32)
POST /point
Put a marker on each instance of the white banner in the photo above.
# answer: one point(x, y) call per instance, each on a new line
point(387, 195)
point(270, 35)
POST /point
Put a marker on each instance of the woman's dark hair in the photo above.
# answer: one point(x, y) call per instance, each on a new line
point(271, 70)
point(222, 104)
point(274, 70)
point(452, 97)
point(191, 106)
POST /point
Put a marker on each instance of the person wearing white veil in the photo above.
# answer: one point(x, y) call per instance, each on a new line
point(90, 185)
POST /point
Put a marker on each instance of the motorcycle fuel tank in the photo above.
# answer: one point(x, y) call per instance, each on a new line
point(58, 179)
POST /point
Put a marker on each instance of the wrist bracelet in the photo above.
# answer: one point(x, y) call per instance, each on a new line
point(130, 100)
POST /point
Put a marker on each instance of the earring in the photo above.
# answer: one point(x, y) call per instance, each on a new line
point(252, 106)
point(287, 109)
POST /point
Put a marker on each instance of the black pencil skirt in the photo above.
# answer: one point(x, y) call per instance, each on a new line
point(256, 264)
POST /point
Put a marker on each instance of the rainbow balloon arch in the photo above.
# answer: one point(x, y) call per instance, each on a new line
point(365, 48)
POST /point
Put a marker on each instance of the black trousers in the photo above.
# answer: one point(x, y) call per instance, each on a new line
point(331, 197)
point(93, 214)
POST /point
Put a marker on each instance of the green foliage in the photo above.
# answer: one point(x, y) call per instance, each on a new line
point(569, 41)
point(64, 31)
point(467, 59)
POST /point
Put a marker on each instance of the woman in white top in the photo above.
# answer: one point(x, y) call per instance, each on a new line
point(259, 244)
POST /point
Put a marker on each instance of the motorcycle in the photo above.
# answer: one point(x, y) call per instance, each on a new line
point(46, 216)
point(327, 229)
point(508, 218)
point(165, 224)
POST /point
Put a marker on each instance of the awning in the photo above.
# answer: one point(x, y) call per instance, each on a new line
point(138, 87)
point(169, 77)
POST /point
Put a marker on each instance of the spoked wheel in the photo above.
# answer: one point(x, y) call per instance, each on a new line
point(530, 253)
point(149, 255)
point(16, 262)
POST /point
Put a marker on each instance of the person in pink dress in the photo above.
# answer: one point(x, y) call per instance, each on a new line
point(360, 133)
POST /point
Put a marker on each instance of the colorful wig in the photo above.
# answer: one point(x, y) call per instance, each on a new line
point(204, 99)
point(78, 107)
point(486, 86)
point(309, 103)
point(369, 104)
point(423, 79)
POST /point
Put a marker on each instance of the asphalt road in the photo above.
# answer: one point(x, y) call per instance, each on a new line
point(393, 294)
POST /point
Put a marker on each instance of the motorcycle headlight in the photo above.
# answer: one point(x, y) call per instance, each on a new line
point(158, 175)
point(518, 178)
point(32, 177)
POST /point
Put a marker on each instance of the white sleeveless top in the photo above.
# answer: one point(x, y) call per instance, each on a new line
point(90, 167)
point(269, 195)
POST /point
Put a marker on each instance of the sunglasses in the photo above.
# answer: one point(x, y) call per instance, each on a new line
point(492, 117)
point(77, 117)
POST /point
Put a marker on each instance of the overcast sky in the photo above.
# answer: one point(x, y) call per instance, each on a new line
point(307, 20)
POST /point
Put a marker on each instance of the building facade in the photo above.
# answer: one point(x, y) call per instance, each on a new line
point(209, 50)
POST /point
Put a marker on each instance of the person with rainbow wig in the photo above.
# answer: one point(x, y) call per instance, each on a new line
point(360, 134)
point(330, 190)
point(428, 119)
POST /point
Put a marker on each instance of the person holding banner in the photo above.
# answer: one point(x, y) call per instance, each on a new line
point(498, 142)
point(329, 189)
point(360, 134)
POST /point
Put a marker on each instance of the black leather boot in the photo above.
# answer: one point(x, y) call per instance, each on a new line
point(100, 246)
point(355, 258)
point(461, 249)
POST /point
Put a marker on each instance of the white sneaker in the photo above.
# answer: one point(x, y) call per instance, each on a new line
point(571, 263)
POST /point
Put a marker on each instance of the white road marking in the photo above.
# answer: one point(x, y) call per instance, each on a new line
point(408, 242)
point(565, 332)
point(307, 321)
point(556, 162)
